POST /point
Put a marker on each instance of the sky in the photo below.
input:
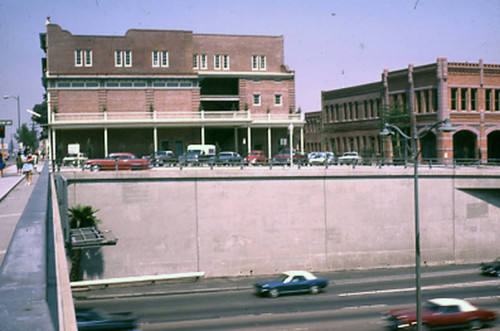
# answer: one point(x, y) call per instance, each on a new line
point(329, 44)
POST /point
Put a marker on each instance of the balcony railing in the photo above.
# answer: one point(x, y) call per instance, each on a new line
point(159, 117)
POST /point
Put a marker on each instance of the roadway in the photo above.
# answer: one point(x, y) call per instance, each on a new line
point(355, 301)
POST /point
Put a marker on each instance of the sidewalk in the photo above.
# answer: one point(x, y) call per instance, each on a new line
point(9, 180)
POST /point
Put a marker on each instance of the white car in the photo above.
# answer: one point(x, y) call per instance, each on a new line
point(350, 158)
point(75, 159)
point(322, 158)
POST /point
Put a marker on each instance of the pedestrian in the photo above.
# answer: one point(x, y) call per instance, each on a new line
point(2, 165)
point(27, 165)
point(19, 163)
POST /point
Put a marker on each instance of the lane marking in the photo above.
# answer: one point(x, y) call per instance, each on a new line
point(10, 215)
point(433, 287)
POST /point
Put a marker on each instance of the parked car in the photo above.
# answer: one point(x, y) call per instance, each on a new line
point(124, 161)
point(293, 281)
point(95, 319)
point(197, 154)
point(162, 158)
point(283, 157)
point(226, 158)
point(491, 268)
point(256, 157)
point(350, 158)
point(322, 158)
point(74, 159)
point(441, 313)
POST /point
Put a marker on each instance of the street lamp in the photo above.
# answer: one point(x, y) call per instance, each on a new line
point(18, 108)
point(446, 127)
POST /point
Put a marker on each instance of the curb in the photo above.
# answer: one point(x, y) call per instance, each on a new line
point(11, 188)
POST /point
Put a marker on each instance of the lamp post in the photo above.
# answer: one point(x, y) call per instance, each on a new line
point(446, 127)
point(18, 108)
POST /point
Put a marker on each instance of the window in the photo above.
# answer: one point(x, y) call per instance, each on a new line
point(278, 100)
point(454, 98)
point(195, 61)
point(488, 100)
point(78, 58)
point(160, 58)
point(83, 57)
point(473, 99)
point(128, 58)
point(118, 59)
point(497, 100)
point(203, 60)
point(156, 59)
point(256, 99)
point(259, 62)
point(164, 58)
point(225, 62)
point(463, 96)
point(88, 58)
point(217, 61)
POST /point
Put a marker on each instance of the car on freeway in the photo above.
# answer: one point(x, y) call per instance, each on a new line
point(322, 158)
point(120, 161)
point(491, 268)
point(96, 319)
point(293, 281)
point(74, 159)
point(256, 157)
point(164, 158)
point(350, 158)
point(441, 313)
point(226, 158)
point(283, 157)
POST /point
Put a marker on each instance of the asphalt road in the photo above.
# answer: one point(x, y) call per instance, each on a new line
point(349, 304)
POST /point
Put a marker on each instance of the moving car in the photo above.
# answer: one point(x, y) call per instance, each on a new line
point(293, 281)
point(256, 157)
point(74, 159)
point(322, 158)
point(441, 313)
point(226, 158)
point(162, 158)
point(122, 161)
point(95, 319)
point(491, 268)
point(350, 158)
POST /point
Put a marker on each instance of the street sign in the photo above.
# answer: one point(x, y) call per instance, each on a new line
point(5, 122)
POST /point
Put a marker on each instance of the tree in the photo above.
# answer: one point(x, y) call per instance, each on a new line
point(80, 216)
point(26, 136)
point(42, 109)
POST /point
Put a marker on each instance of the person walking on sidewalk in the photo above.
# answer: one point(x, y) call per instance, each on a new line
point(19, 163)
point(27, 165)
point(2, 165)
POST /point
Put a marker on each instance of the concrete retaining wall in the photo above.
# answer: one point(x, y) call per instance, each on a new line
point(262, 221)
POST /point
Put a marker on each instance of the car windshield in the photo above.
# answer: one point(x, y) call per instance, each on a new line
point(282, 277)
point(432, 306)
point(71, 155)
point(350, 154)
point(254, 154)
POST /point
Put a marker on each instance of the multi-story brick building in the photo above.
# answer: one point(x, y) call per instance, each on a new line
point(154, 90)
point(466, 93)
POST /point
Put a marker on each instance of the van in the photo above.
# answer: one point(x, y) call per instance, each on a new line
point(198, 154)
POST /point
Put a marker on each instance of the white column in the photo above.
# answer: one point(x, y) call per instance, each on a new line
point(290, 130)
point(249, 140)
point(53, 145)
point(155, 139)
point(302, 139)
point(105, 142)
point(203, 135)
point(269, 144)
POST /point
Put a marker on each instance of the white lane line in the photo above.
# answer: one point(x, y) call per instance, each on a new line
point(433, 287)
point(10, 215)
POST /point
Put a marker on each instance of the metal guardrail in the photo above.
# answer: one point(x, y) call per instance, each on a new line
point(139, 279)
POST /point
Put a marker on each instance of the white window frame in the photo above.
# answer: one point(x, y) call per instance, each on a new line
point(164, 59)
point(217, 62)
point(225, 62)
point(88, 57)
point(196, 61)
point(262, 62)
point(203, 61)
point(278, 100)
point(257, 100)
point(127, 58)
point(78, 58)
point(118, 59)
point(155, 58)
point(255, 62)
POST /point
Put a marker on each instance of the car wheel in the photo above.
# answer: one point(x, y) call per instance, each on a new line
point(425, 327)
point(314, 289)
point(475, 325)
point(274, 293)
point(95, 168)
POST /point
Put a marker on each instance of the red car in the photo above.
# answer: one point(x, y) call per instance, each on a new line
point(256, 157)
point(120, 161)
point(442, 313)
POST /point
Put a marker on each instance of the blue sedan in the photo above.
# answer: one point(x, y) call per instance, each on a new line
point(294, 281)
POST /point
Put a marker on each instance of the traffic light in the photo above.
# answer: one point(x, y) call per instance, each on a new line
point(2, 131)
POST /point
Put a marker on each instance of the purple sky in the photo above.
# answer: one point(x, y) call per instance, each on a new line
point(322, 38)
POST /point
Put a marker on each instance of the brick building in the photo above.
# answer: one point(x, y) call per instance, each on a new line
point(162, 90)
point(466, 93)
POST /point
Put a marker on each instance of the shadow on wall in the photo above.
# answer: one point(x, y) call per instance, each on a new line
point(491, 196)
point(91, 264)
